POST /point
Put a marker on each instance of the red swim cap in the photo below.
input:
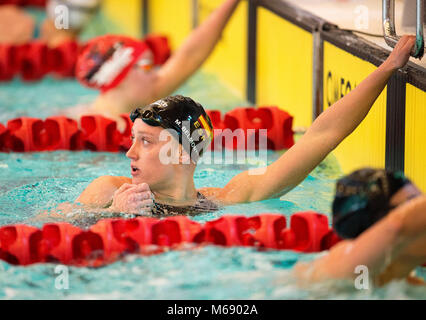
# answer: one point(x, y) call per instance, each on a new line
point(106, 60)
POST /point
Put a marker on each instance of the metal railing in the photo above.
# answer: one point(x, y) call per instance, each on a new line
point(390, 35)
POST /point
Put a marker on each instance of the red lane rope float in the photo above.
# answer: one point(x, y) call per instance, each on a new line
point(61, 60)
point(25, 134)
point(33, 62)
point(3, 137)
point(98, 133)
point(110, 239)
point(246, 123)
point(9, 61)
point(35, 59)
point(276, 121)
point(30, 134)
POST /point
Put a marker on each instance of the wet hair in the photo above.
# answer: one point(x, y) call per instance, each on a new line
point(362, 198)
point(187, 117)
point(183, 102)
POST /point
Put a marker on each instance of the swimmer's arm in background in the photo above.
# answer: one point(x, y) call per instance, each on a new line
point(194, 51)
point(375, 248)
point(325, 133)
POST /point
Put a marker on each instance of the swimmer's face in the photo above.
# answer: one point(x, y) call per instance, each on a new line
point(144, 154)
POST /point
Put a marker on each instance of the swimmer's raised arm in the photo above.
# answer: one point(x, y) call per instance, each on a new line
point(325, 133)
point(397, 240)
point(194, 51)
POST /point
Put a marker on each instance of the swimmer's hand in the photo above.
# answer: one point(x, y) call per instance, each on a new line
point(133, 199)
point(401, 53)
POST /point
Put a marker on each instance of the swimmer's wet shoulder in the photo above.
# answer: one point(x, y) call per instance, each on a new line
point(100, 191)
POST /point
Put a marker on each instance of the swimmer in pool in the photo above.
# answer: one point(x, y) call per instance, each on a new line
point(122, 69)
point(173, 184)
point(17, 27)
point(381, 216)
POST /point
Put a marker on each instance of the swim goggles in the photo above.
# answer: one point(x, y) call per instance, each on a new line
point(153, 118)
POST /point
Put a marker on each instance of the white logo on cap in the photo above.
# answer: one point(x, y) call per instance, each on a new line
point(112, 68)
point(161, 103)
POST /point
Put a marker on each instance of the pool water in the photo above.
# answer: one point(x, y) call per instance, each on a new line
point(34, 182)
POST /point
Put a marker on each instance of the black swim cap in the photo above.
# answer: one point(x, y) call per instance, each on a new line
point(182, 114)
point(363, 198)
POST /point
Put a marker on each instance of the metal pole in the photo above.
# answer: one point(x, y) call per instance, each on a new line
point(251, 51)
point(388, 19)
point(194, 14)
point(145, 18)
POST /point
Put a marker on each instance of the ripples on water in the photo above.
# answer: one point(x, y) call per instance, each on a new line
point(34, 182)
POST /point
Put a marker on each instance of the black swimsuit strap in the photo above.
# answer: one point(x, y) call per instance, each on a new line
point(200, 195)
point(202, 205)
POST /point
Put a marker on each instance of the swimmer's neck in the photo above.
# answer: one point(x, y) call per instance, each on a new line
point(177, 195)
point(179, 202)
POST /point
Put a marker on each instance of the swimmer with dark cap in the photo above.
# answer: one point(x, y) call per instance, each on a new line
point(122, 68)
point(381, 215)
point(154, 181)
